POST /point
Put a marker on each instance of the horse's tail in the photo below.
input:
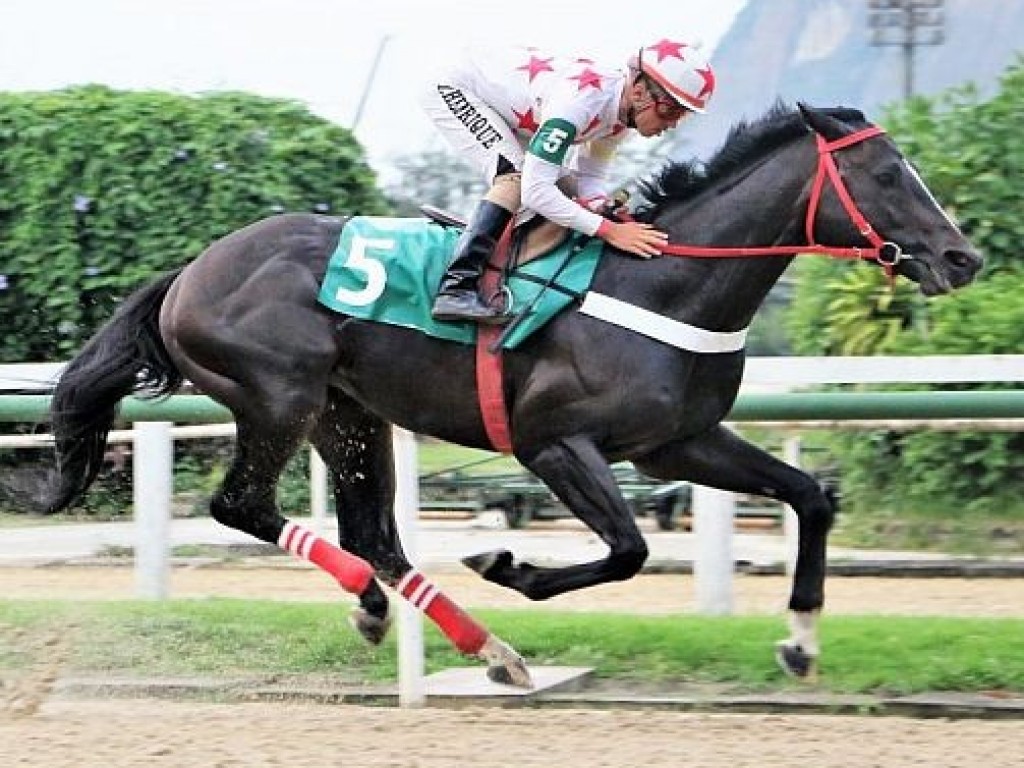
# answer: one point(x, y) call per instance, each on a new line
point(125, 355)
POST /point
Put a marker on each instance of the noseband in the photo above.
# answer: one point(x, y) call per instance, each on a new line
point(886, 253)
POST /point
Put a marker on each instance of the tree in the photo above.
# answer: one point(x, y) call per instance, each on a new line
point(435, 177)
point(104, 189)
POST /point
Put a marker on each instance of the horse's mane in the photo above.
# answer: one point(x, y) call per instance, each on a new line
point(745, 143)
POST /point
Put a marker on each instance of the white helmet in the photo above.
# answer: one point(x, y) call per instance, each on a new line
point(681, 70)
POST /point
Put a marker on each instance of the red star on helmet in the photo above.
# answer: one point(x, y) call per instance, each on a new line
point(535, 66)
point(665, 48)
point(709, 82)
point(588, 77)
point(527, 122)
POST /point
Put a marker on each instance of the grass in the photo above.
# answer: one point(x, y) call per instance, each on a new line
point(435, 456)
point(260, 639)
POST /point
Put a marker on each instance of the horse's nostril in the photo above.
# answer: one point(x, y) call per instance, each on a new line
point(962, 260)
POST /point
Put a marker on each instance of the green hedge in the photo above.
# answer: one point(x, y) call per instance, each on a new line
point(101, 190)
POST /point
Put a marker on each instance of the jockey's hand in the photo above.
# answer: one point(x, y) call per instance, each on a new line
point(610, 207)
point(633, 237)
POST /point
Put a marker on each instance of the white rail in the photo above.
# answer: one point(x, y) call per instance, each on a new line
point(790, 372)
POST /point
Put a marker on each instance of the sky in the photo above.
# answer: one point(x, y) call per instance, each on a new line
point(320, 52)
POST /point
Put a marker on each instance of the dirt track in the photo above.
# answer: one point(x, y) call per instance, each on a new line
point(644, 594)
point(116, 734)
point(111, 734)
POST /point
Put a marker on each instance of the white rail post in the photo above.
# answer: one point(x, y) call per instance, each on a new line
point(713, 513)
point(152, 486)
point(411, 690)
point(317, 489)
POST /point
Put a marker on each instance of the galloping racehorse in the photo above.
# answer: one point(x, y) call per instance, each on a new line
point(243, 323)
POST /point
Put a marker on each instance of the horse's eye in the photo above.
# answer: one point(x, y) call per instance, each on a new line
point(888, 177)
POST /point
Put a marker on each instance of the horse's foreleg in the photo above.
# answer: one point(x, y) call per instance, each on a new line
point(721, 459)
point(576, 472)
point(356, 446)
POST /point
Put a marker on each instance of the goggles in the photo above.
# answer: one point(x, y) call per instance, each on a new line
point(665, 107)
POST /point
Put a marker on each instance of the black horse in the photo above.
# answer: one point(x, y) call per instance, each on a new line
point(242, 322)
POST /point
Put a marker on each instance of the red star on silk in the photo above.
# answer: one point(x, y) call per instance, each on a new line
point(665, 48)
point(709, 82)
point(588, 77)
point(527, 122)
point(535, 66)
point(591, 125)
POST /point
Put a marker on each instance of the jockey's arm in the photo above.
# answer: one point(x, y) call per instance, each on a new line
point(591, 164)
point(542, 168)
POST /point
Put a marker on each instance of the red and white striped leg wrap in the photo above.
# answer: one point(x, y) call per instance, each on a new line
point(457, 625)
point(352, 572)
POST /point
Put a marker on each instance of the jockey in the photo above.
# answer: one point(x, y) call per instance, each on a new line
point(543, 131)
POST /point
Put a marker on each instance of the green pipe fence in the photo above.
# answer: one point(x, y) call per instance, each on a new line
point(788, 406)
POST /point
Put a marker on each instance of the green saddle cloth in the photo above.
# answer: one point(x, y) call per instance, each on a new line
point(388, 270)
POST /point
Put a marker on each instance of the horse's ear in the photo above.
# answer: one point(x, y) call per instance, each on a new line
point(822, 123)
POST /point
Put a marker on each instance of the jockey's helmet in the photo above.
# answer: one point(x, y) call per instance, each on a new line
point(681, 70)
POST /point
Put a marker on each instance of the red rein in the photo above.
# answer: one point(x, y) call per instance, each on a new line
point(885, 253)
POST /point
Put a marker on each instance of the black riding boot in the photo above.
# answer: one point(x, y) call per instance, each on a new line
point(459, 295)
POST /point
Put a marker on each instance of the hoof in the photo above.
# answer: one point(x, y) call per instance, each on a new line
point(504, 665)
point(486, 562)
point(372, 628)
point(795, 662)
point(501, 676)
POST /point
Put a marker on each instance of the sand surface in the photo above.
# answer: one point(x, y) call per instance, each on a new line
point(52, 733)
point(166, 735)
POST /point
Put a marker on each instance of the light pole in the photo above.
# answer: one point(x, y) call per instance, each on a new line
point(907, 24)
point(368, 85)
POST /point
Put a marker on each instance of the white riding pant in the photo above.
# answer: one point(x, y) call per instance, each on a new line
point(476, 132)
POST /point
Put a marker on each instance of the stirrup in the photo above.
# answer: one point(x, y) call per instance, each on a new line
point(468, 307)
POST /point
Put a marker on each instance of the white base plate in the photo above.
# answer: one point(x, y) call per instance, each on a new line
point(472, 681)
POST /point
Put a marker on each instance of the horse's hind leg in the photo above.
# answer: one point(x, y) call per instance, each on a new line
point(721, 459)
point(357, 448)
point(245, 501)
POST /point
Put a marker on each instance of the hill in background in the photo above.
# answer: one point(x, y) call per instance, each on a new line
point(820, 52)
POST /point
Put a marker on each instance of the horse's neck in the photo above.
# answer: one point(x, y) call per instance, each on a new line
point(763, 206)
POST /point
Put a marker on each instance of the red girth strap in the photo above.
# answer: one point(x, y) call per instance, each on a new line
point(489, 370)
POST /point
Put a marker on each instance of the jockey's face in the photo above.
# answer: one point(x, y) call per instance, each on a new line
point(653, 110)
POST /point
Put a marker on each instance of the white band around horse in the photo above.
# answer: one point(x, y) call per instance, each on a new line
point(661, 328)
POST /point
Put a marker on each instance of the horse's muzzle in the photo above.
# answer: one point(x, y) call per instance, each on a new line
point(964, 265)
point(937, 275)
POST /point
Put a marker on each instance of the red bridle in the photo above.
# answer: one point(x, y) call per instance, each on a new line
point(888, 254)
